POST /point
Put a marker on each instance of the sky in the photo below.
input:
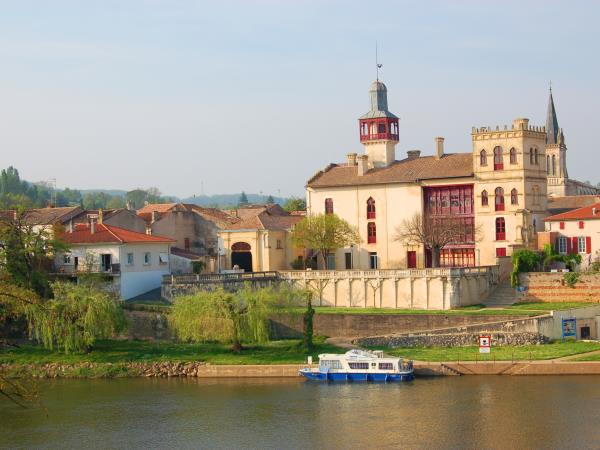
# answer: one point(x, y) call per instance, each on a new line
point(215, 97)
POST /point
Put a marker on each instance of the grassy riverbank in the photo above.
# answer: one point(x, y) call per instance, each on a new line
point(521, 353)
point(275, 352)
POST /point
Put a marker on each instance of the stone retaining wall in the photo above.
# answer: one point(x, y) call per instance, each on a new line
point(451, 340)
point(551, 287)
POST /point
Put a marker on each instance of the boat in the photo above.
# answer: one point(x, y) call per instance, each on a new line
point(359, 365)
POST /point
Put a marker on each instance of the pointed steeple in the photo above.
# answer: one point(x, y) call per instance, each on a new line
point(552, 130)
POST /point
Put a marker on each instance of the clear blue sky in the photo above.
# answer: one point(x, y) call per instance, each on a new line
point(258, 95)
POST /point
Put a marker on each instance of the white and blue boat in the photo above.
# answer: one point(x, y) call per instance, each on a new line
point(359, 365)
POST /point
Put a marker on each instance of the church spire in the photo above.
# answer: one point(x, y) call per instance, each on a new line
point(552, 130)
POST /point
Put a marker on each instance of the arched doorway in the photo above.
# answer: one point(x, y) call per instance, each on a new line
point(241, 256)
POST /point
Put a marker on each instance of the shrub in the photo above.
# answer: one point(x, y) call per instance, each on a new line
point(523, 260)
point(571, 278)
point(198, 266)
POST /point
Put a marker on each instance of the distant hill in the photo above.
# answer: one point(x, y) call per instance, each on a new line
point(111, 192)
point(229, 200)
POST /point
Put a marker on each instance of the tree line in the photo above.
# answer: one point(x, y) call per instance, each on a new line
point(17, 193)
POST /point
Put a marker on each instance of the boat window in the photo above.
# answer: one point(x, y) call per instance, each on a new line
point(331, 363)
point(359, 365)
point(386, 366)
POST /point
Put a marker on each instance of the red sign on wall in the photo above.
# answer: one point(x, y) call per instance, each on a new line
point(485, 344)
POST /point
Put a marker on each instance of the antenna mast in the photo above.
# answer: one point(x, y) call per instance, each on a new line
point(379, 66)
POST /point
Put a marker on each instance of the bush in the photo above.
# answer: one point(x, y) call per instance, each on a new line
point(523, 260)
point(198, 267)
point(571, 278)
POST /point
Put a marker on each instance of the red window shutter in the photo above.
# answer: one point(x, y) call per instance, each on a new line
point(569, 248)
point(574, 245)
point(588, 244)
point(562, 225)
point(581, 224)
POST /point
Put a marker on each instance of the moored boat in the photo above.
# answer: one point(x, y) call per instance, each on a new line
point(359, 365)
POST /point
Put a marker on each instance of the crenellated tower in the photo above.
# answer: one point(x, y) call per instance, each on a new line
point(379, 128)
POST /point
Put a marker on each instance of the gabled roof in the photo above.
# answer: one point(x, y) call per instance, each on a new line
point(409, 170)
point(267, 221)
point(215, 215)
point(108, 234)
point(591, 212)
point(51, 216)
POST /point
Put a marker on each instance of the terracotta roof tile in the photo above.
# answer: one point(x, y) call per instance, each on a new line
point(585, 213)
point(50, 216)
point(409, 170)
point(108, 234)
point(563, 204)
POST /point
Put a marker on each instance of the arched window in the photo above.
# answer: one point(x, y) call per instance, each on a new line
point(513, 156)
point(370, 208)
point(499, 199)
point(482, 158)
point(531, 156)
point(500, 229)
point(547, 165)
point(535, 157)
point(328, 206)
point(514, 197)
point(371, 233)
point(241, 247)
point(553, 164)
point(498, 160)
point(484, 198)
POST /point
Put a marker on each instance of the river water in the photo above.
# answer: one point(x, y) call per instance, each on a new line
point(446, 412)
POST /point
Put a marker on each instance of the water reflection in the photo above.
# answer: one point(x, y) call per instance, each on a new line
point(452, 412)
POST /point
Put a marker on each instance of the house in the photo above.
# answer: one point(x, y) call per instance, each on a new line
point(133, 263)
point(497, 192)
point(260, 240)
point(47, 218)
point(193, 228)
point(576, 231)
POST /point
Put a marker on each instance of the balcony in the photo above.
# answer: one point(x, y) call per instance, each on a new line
point(70, 269)
point(379, 137)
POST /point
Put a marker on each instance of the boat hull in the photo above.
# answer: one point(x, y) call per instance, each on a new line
point(356, 376)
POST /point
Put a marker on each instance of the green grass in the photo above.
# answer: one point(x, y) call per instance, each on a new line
point(275, 352)
point(471, 353)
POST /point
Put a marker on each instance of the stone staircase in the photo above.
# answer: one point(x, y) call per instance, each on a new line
point(503, 295)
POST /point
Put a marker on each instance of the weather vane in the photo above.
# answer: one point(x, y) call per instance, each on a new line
point(379, 66)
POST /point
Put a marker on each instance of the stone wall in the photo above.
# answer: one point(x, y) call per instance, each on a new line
point(551, 287)
point(146, 325)
point(452, 340)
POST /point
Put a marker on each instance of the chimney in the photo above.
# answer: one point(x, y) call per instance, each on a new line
point(413, 154)
point(351, 159)
point(92, 226)
point(363, 165)
point(100, 216)
point(70, 226)
point(593, 211)
point(439, 147)
point(155, 216)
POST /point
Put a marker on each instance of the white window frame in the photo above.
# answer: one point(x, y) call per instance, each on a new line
point(147, 258)
point(67, 260)
point(373, 261)
point(581, 244)
point(562, 245)
point(130, 261)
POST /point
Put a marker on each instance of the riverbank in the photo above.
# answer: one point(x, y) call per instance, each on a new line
point(119, 359)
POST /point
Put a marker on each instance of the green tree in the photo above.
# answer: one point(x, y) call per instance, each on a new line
point(230, 317)
point(295, 204)
point(307, 329)
point(270, 199)
point(243, 199)
point(75, 318)
point(324, 233)
point(116, 202)
point(27, 252)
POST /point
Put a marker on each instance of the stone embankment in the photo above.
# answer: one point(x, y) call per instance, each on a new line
point(163, 369)
point(450, 340)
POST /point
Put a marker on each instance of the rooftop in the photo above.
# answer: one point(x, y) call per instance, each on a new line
point(108, 234)
point(409, 170)
point(590, 212)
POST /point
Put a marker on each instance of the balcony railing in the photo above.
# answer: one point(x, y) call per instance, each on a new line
point(378, 137)
point(70, 269)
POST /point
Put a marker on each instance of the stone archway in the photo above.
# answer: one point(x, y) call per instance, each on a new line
point(241, 256)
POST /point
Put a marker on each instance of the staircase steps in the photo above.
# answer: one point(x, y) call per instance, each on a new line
point(503, 295)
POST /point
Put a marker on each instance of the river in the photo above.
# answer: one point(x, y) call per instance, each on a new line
point(445, 412)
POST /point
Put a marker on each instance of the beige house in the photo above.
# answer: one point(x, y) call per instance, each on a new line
point(260, 240)
point(498, 191)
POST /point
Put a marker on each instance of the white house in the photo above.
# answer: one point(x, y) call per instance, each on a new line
point(134, 262)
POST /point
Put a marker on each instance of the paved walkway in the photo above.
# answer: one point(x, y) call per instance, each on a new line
point(577, 356)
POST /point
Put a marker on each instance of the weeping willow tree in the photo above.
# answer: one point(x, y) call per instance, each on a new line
point(75, 318)
point(229, 317)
